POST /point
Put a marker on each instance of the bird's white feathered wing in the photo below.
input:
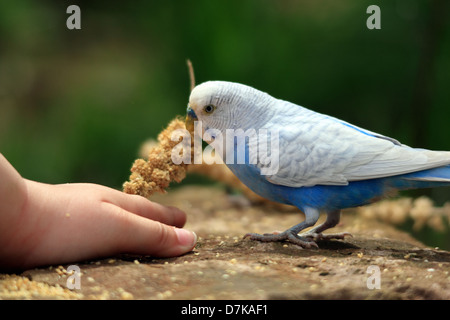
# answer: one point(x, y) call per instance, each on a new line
point(315, 149)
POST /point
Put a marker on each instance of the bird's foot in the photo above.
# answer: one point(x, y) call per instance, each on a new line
point(283, 236)
point(314, 236)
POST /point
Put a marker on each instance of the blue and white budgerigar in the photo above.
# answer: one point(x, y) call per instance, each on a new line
point(324, 164)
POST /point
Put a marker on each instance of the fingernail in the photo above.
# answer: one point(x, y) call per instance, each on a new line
point(186, 238)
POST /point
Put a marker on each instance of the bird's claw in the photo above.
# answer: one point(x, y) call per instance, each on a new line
point(283, 236)
point(305, 240)
point(320, 236)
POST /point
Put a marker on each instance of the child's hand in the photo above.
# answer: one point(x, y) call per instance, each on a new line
point(55, 224)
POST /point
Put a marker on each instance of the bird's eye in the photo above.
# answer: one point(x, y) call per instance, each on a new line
point(209, 108)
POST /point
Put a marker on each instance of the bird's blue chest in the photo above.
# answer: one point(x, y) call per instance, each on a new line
point(251, 177)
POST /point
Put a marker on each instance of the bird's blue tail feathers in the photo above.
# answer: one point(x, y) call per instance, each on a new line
point(430, 178)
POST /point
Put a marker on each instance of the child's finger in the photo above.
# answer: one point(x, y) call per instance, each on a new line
point(138, 235)
point(148, 209)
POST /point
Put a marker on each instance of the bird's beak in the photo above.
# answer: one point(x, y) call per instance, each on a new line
point(190, 118)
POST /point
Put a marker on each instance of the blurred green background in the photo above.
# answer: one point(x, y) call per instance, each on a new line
point(75, 105)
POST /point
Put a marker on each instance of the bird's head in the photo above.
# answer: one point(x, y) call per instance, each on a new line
point(225, 105)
